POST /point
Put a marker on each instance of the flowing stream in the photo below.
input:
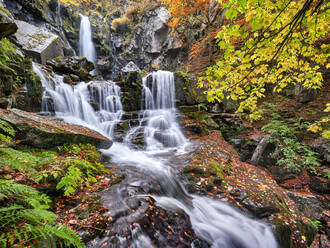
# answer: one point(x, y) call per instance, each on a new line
point(153, 169)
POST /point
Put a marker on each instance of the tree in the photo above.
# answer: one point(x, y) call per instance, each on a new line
point(268, 45)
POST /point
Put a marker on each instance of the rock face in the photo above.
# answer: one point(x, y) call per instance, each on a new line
point(148, 43)
point(78, 66)
point(187, 90)
point(38, 43)
point(45, 132)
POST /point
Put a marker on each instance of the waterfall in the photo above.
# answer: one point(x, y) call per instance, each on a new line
point(159, 111)
point(98, 106)
point(86, 46)
point(59, 21)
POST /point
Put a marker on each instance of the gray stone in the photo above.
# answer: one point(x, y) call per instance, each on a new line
point(38, 43)
point(303, 95)
point(262, 154)
point(130, 67)
point(322, 146)
point(311, 206)
point(5, 102)
point(156, 29)
point(46, 132)
point(79, 66)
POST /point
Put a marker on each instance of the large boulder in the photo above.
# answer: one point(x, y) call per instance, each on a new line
point(79, 66)
point(38, 43)
point(148, 41)
point(46, 132)
point(303, 94)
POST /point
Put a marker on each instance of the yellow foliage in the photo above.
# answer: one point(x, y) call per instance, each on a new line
point(322, 125)
point(251, 59)
point(120, 22)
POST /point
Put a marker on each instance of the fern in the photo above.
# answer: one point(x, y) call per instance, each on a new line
point(6, 133)
point(70, 173)
point(290, 152)
point(25, 220)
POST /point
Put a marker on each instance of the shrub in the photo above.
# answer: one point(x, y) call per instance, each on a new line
point(25, 220)
point(120, 22)
point(291, 153)
point(6, 133)
point(69, 173)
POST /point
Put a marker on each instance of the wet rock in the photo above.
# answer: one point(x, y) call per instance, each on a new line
point(322, 147)
point(262, 154)
point(71, 79)
point(38, 43)
point(245, 147)
point(303, 95)
point(311, 206)
point(170, 228)
point(320, 184)
point(260, 210)
point(7, 29)
point(5, 102)
point(79, 66)
point(131, 87)
point(46, 132)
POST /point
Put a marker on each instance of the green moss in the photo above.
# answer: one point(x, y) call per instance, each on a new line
point(221, 170)
point(6, 12)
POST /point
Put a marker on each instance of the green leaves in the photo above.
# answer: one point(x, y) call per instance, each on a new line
point(24, 220)
point(251, 58)
point(290, 152)
point(231, 14)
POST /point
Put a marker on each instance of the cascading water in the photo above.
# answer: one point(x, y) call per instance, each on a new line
point(212, 220)
point(158, 114)
point(86, 45)
point(73, 104)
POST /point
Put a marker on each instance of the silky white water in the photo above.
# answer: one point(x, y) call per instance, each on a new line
point(212, 220)
point(86, 45)
point(73, 104)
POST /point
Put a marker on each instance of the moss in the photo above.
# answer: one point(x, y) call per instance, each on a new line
point(221, 170)
point(2, 9)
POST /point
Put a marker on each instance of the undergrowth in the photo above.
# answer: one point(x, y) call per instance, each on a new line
point(25, 220)
point(291, 152)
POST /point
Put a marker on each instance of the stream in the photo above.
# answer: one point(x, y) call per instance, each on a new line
point(151, 171)
point(153, 183)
